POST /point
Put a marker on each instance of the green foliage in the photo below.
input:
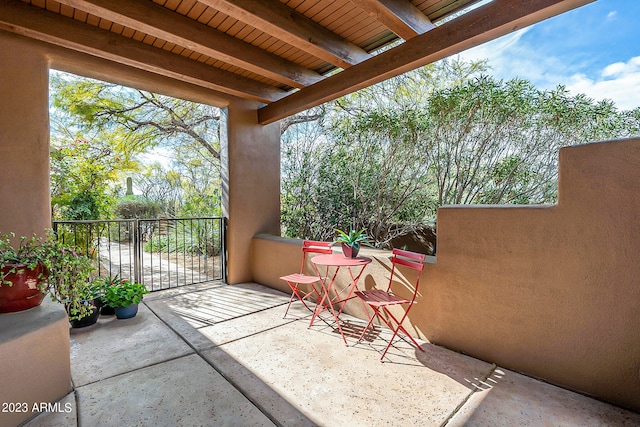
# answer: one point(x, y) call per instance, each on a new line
point(191, 237)
point(82, 173)
point(69, 281)
point(121, 123)
point(385, 158)
point(136, 207)
point(124, 293)
point(142, 120)
point(67, 277)
point(27, 254)
point(102, 283)
point(190, 187)
point(353, 238)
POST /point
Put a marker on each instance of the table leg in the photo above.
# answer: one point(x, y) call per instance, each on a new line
point(353, 286)
point(327, 303)
point(324, 297)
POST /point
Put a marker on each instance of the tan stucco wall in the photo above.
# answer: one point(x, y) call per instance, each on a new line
point(24, 139)
point(34, 345)
point(35, 368)
point(550, 291)
point(250, 159)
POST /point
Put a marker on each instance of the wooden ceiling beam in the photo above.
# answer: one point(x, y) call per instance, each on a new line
point(293, 28)
point(400, 16)
point(39, 24)
point(478, 26)
point(172, 27)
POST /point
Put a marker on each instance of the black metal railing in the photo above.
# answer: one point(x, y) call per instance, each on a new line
point(161, 253)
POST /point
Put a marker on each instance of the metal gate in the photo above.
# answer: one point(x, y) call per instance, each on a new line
point(161, 253)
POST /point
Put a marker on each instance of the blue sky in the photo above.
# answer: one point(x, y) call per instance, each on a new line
point(594, 50)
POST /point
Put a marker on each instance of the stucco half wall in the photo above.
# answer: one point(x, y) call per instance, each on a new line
point(549, 291)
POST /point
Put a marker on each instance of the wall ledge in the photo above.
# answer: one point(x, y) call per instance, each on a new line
point(36, 358)
point(379, 253)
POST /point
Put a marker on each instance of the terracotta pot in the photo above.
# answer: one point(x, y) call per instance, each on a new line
point(24, 293)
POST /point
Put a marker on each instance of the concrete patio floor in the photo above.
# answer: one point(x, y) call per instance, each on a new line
point(219, 355)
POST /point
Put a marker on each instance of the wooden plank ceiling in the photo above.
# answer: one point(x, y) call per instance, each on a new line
point(289, 55)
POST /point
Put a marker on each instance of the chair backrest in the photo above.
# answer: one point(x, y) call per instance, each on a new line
point(313, 246)
point(409, 259)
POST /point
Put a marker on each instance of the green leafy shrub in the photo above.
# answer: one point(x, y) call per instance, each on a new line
point(125, 293)
point(137, 207)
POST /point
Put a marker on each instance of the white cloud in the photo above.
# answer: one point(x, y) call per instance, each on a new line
point(510, 57)
point(619, 82)
point(495, 49)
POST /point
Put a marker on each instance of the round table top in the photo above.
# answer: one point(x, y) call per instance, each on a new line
point(339, 260)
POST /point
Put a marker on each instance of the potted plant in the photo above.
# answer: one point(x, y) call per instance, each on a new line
point(351, 241)
point(102, 284)
point(125, 297)
point(87, 299)
point(38, 266)
point(23, 271)
point(70, 284)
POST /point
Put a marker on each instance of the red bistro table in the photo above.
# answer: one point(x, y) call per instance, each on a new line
point(337, 261)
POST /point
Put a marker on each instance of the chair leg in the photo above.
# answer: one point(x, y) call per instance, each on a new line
point(295, 292)
point(373, 316)
point(289, 305)
point(396, 329)
point(407, 334)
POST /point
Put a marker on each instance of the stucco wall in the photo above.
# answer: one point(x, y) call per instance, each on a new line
point(550, 291)
point(250, 162)
point(24, 139)
point(36, 364)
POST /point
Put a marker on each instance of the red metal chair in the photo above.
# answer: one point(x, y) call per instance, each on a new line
point(380, 301)
point(296, 279)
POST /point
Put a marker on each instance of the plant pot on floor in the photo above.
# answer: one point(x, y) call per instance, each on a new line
point(127, 312)
point(105, 309)
point(125, 297)
point(89, 319)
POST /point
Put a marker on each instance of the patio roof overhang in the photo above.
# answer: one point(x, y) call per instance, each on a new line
point(289, 55)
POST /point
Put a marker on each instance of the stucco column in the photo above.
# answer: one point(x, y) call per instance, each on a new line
point(250, 158)
point(25, 206)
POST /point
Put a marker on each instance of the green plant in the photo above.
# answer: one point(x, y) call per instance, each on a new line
point(102, 283)
point(137, 207)
point(69, 281)
point(66, 273)
point(28, 254)
point(353, 238)
point(125, 293)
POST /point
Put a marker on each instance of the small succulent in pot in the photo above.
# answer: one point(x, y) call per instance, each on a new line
point(351, 241)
